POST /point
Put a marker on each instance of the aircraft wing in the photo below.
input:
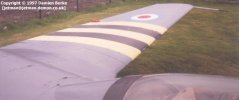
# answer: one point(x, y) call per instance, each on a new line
point(34, 68)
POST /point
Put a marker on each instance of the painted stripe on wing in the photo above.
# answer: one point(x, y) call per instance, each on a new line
point(128, 41)
point(153, 27)
point(114, 46)
point(151, 33)
point(133, 35)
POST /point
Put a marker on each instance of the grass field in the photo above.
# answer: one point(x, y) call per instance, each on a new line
point(205, 42)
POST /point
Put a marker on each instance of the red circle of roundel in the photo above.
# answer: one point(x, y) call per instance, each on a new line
point(144, 17)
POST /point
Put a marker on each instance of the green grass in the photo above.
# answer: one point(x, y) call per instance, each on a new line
point(205, 42)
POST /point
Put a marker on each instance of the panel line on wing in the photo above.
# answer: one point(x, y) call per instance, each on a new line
point(114, 46)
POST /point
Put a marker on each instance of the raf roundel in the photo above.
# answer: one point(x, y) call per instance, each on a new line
point(144, 17)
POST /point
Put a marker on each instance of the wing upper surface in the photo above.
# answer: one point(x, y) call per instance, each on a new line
point(84, 53)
